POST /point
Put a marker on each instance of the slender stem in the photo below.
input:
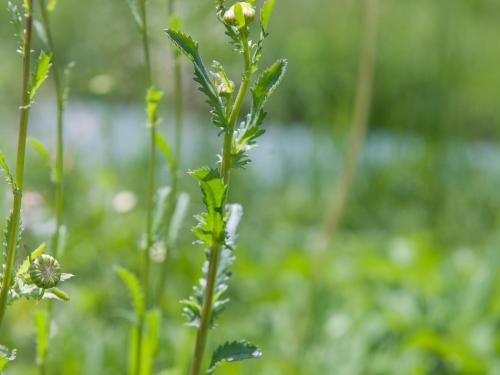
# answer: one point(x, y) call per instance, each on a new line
point(213, 261)
point(174, 169)
point(58, 182)
point(359, 125)
point(21, 152)
point(151, 189)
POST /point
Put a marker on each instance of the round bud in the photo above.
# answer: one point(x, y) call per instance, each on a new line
point(248, 13)
point(45, 271)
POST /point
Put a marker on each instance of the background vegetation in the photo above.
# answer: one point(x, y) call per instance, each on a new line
point(410, 285)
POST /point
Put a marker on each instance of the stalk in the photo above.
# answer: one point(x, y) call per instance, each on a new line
point(151, 188)
point(206, 311)
point(17, 190)
point(58, 183)
point(174, 169)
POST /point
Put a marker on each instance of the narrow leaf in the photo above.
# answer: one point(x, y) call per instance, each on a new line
point(51, 5)
point(265, 13)
point(132, 5)
point(181, 208)
point(25, 265)
point(40, 148)
point(130, 280)
point(6, 170)
point(165, 149)
point(40, 74)
point(266, 84)
point(153, 97)
point(232, 352)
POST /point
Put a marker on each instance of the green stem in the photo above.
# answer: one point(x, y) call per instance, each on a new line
point(213, 261)
point(174, 169)
point(58, 183)
point(151, 189)
point(21, 152)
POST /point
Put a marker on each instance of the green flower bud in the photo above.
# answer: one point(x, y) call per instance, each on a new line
point(45, 271)
point(248, 13)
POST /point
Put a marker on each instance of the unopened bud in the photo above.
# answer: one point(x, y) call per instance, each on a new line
point(248, 13)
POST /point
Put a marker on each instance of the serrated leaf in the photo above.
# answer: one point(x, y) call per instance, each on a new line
point(153, 97)
point(6, 356)
point(133, 285)
point(266, 84)
point(42, 332)
point(190, 48)
point(265, 13)
point(40, 148)
point(6, 170)
point(214, 194)
point(134, 10)
point(232, 352)
point(41, 72)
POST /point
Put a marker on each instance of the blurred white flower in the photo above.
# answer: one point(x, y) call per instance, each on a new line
point(101, 84)
point(124, 202)
point(158, 252)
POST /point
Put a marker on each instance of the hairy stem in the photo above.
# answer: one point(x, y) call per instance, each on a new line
point(21, 152)
point(206, 310)
point(58, 182)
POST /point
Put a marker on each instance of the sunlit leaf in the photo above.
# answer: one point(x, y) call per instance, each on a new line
point(233, 352)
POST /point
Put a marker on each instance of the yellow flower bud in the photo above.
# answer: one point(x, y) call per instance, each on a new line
point(248, 14)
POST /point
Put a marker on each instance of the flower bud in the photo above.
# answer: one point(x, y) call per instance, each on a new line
point(248, 14)
point(45, 271)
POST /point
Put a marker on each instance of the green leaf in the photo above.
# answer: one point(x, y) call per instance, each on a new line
point(41, 72)
point(266, 84)
point(40, 31)
point(211, 223)
point(233, 352)
point(132, 5)
point(161, 202)
point(190, 48)
point(6, 170)
point(25, 265)
point(58, 294)
point(42, 332)
point(40, 148)
point(153, 97)
point(178, 216)
point(265, 13)
point(166, 151)
point(175, 23)
point(7, 233)
point(238, 14)
point(130, 280)
point(6, 356)
point(132, 349)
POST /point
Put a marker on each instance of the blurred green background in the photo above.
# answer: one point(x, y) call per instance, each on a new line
point(410, 284)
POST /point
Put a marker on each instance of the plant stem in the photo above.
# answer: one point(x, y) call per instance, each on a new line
point(359, 125)
point(174, 169)
point(213, 261)
point(151, 188)
point(21, 152)
point(58, 182)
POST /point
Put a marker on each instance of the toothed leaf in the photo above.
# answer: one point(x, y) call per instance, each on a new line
point(40, 74)
point(233, 352)
point(130, 280)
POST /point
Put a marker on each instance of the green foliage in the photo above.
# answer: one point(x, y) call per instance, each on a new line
point(51, 5)
point(40, 73)
point(6, 356)
point(153, 97)
point(40, 148)
point(134, 288)
point(5, 168)
point(233, 352)
point(132, 5)
point(190, 48)
point(265, 13)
